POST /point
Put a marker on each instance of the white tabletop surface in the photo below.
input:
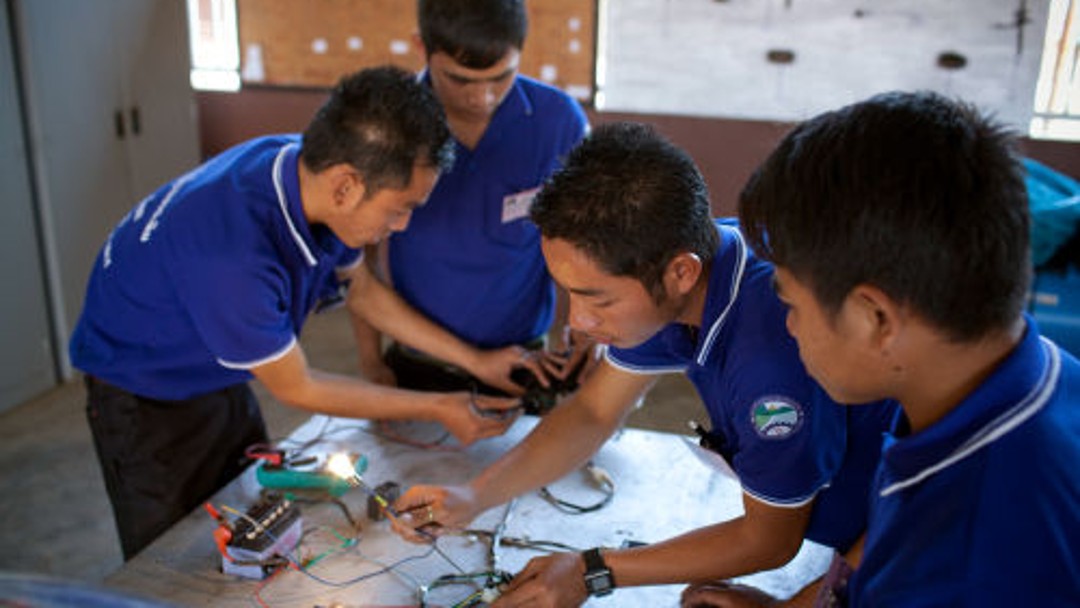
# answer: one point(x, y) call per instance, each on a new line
point(662, 489)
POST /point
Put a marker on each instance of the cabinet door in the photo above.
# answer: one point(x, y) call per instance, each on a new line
point(161, 104)
point(26, 358)
point(73, 87)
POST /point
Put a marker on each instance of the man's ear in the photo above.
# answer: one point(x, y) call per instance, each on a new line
point(879, 317)
point(419, 48)
point(346, 186)
point(683, 272)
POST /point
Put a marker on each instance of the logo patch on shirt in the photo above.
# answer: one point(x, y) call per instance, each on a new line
point(776, 417)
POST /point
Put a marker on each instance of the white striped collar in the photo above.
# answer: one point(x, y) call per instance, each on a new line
point(283, 201)
point(737, 270)
point(1027, 407)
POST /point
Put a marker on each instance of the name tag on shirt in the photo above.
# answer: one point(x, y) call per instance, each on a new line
point(516, 206)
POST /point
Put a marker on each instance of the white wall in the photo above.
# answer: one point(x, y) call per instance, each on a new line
point(708, 57)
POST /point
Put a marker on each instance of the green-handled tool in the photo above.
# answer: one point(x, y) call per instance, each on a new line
point(316, 476)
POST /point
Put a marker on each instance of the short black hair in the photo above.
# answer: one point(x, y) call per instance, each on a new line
point(919, 195)
point(475, 33)
point(382, 122)
point(632, 201)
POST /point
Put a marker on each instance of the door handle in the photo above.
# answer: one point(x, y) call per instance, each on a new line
point(118, 122)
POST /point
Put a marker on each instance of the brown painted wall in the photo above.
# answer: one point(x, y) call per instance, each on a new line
point(284, 31)
point(726, 150)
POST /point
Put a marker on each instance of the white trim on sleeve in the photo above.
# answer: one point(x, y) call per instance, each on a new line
point(793, 503)
point(642, 370)
point(246, 365)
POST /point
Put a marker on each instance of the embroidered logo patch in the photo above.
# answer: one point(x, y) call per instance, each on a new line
point(776, 417)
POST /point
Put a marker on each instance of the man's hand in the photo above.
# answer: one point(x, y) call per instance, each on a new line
point(574, 349)
point(552, 580)
point(469, 418)
point(493, 368)
point(722, 594)
point(433, 508)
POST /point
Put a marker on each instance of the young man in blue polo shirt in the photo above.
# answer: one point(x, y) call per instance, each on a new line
point(470, 260)
point(627, 232)
point(207, 282)
point(899, 229)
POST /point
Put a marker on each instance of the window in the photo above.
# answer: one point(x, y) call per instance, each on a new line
point(1057, 94)
point(215, 50)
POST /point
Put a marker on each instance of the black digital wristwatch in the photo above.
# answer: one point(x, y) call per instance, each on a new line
point(598, 579)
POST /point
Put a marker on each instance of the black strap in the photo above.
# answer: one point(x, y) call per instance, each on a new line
point(593, 560)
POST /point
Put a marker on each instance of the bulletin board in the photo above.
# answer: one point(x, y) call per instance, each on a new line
point(314, 42)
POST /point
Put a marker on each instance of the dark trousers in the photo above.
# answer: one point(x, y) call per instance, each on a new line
point(161, 459)
point(419, 372)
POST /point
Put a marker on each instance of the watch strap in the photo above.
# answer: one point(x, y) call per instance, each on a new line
point(593, 560)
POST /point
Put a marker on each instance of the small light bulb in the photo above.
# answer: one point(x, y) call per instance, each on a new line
point(341, 465)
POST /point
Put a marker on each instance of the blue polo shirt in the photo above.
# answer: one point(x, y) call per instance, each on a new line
point(983, 507)
point(470, 258)
point(786, 439)
point(210, 276)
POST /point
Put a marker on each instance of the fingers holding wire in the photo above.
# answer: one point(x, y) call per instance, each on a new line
point(418, 517)
point(498, 409)
point(425, 521)
point(413, 515)
point(552, 580)
point(555, 365)
point(417, 526)
point(426, 510)
point(534, 362)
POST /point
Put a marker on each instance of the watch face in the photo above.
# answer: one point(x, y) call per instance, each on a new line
point(598, 583)
point(598, 579)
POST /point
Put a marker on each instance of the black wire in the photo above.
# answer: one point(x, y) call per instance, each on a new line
point(575, 509)
point(440, 442)
point(549, 546)
point(604, 483)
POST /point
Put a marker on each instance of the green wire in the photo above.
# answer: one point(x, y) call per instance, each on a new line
point(469, 599)
point(345, 544)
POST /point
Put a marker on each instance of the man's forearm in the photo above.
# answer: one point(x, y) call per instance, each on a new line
point(763, 538)
point(564, 440)
point(386, 311)
point(368, 339)
point(348, 397)
point(715, 552)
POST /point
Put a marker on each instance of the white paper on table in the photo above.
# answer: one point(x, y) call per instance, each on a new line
point(710, 458)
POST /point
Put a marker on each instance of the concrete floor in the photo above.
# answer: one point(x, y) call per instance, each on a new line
point(56, 515)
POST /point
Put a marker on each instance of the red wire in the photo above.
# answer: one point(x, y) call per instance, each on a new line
point(262, 584)
point(385, 431)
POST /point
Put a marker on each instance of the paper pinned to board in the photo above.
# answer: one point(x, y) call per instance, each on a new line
point(254, 70)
